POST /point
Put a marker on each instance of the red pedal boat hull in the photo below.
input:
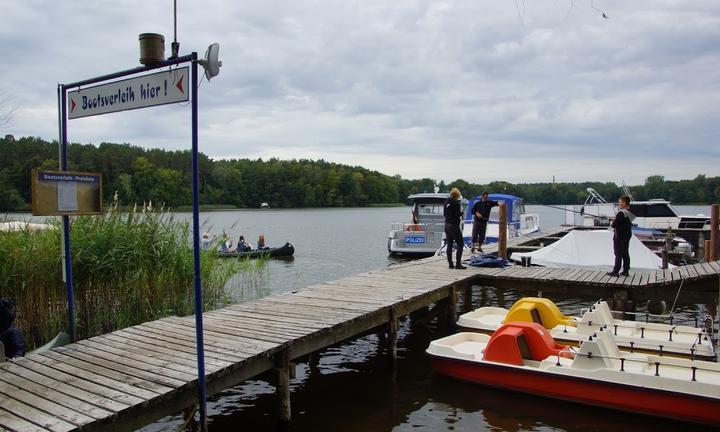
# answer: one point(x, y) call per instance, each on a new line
point(582, 390)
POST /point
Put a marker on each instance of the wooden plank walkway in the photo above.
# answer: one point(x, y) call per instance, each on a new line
point(131, 377)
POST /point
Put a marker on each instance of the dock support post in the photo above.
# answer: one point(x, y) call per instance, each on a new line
point(392, 337)
point(467, 298)
point(283, 385)
point(191, 425)
point(714, 220)
point(502, 231)
point(450, 312)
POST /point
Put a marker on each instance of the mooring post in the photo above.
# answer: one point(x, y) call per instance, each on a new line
point(714, 220)
point(707, 251)
point(502, 231)
point(282, 366)
point(667, 249)
point(392, 337)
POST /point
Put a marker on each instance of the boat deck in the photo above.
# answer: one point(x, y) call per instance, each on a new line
point(131, 377)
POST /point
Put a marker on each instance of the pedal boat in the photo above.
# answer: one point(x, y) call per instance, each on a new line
point(633, 336)
point(524, 357)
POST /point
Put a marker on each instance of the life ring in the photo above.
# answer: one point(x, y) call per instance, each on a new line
point(413, 227)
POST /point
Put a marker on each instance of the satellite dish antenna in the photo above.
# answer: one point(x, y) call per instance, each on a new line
point(211, 64)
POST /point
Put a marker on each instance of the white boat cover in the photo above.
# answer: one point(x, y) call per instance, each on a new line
point(592, 249)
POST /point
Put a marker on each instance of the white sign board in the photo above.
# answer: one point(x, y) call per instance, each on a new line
point(148, 90)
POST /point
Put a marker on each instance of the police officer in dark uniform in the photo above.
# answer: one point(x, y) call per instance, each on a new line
point(453, 234)
point(481, 215)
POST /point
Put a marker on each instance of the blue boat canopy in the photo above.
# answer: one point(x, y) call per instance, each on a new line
point(515, 207)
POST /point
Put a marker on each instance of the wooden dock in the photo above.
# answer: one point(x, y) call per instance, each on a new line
point(131, 377)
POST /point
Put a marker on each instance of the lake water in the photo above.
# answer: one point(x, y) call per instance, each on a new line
point(352, 388)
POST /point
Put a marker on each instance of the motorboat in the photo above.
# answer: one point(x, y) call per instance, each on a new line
point(519, 222)
point(285, 251)
point(654, 214)
point(424, 235)
point(635, 336)
point(524, 357)
point(592, 249)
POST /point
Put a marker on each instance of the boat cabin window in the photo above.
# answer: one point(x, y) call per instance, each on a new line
point(524, 348)
point(652, 210)
point(660, 210)
point(494, 215)
point(638, 210)
point(430, 209)
point(512, 217)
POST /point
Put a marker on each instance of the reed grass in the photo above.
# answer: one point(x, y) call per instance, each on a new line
point(128, 268)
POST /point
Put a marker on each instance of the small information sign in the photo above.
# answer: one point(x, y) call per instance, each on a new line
point(66, 193)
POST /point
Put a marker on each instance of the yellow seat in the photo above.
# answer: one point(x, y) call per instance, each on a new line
point(539, 310)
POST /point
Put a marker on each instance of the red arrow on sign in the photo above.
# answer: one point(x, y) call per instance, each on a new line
point(179, 85)
point(72, 105)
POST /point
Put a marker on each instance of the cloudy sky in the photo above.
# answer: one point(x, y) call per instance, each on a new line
point(476, 89)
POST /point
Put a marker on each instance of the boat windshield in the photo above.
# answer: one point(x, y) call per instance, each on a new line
point(653, 210)
point(428, 209)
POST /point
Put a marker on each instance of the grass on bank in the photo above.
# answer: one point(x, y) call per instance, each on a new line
point(128, 268)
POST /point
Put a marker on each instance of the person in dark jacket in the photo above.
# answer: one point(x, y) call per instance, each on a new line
point(242, 245)
point(622, 224)
point(10, 336)
point(453, 234)
point(481, 216)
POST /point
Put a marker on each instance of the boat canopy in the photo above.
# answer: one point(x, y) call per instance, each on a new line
point(540, 310)
point(592, 249)
point(515, 207)
point(514, 342)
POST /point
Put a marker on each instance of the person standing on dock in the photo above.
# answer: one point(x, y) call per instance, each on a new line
point(622, 224)
point(453, 234)
point(481, 212)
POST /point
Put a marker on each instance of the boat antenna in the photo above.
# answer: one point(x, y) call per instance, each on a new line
point(175, 46)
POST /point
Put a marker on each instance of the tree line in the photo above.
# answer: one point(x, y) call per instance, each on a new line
point(140, 175)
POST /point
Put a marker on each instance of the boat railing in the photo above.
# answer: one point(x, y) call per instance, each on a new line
point(410, 227)
point(664, 317)
point(656, 363)
point(673, 330)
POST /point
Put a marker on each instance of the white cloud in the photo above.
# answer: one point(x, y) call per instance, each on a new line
point(423, 88)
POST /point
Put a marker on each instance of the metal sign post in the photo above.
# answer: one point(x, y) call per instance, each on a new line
point(140, 92)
